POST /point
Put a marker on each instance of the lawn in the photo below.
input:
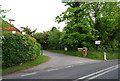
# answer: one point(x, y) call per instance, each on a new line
point(96, 55)
point(38, 61)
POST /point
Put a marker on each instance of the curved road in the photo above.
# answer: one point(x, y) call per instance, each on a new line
point(61, 66)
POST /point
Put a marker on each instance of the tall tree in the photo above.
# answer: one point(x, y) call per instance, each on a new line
point(105, 15)
point(78, 29)
point(53, 39)
point(106, 22)
point(89, 22)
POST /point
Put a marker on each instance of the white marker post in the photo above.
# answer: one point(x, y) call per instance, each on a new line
point(105, 56)
point(65, 48)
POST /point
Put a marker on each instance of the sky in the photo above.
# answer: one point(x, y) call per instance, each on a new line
point(38, 14)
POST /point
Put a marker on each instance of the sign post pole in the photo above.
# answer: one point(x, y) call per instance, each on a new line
point(97, 44)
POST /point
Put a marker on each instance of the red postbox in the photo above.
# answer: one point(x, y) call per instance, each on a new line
point(84, 52)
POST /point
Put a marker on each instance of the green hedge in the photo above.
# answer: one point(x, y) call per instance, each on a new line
point(18, 48)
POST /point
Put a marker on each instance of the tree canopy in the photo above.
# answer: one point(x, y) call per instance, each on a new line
point(87, 22)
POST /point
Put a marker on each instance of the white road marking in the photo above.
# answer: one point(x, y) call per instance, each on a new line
point(53, 69)
point(112, 67)
point(59, 68)
point(86, 62)
point(102, 73)
point(29, 74)
point(68, 66)
point(91, 61)
point(80, 62)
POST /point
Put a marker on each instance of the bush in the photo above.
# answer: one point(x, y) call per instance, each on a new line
point(85, 48)
point(18, 48)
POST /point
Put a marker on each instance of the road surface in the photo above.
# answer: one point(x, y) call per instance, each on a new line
point(75, 70)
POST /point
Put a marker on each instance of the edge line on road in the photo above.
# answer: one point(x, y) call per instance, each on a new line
point(53, 69)
point(98, 72)
point(103, 73)
point(29, 74)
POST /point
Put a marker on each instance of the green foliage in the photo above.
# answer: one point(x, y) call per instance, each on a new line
point(70, 40)
point(42, 38)
point(107, 24)
point(49, 39)
point(54, 39)
point(3, 23)
point(28, 31)
point(85, 48)
point(78, 31)
point(18, 49)
point(2, 13)
point(114, 45)
point(26, 65)
point(87, 22)
point(91, 54)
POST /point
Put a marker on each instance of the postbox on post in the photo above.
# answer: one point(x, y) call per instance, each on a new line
point(84, 51)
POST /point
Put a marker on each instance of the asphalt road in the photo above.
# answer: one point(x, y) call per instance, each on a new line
point(68, 68)
point(84, 71)
point(56, 60)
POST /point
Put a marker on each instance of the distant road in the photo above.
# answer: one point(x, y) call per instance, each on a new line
point(75, 72)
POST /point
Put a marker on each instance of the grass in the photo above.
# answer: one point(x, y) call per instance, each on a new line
point(91, 54)
point(38, 61)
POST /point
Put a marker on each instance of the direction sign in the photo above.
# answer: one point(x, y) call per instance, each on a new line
point(97, 42)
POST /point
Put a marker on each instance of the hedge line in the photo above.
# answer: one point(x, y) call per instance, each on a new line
point(18, 48)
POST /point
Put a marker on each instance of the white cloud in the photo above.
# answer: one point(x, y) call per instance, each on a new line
point(38, 14)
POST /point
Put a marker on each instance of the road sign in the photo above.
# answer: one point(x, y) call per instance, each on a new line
point(97, 42)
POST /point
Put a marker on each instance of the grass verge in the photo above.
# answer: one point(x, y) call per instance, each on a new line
point(91, 54)
point(38, 61)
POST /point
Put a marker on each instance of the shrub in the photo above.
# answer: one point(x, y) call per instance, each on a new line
point(18, 48)
point(85, 48)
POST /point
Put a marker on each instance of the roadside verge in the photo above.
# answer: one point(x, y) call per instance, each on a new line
point(26, 65)
point(91, 54)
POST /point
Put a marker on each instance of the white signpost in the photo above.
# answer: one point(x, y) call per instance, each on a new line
point(97, 44)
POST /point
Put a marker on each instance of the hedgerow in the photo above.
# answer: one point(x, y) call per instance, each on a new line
point(18, 48)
